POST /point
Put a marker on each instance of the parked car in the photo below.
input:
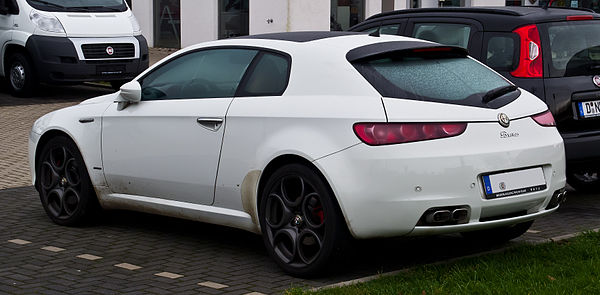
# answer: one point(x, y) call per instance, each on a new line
point(305, 137)
point(589, 4)
point(64, 41)
point(554, 53)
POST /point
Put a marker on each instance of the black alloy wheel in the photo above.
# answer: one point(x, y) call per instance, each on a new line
point(63, 183)
point(301, 224)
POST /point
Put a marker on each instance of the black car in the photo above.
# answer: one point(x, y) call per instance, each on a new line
point(552, 52)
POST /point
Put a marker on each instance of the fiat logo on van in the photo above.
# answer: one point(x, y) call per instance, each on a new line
point(596, 80)
point(110, 50)
point(503, 120)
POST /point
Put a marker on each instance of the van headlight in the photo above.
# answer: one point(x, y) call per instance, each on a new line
point(46, 22)
point(134, 24)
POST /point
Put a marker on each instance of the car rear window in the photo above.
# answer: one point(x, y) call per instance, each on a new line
point(444, 33)
point(433, 76)
point(574, 48)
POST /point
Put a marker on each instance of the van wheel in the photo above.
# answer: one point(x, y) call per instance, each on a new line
point(21, 77)
point(301, 225)
point(499, 235)
point(584, 180)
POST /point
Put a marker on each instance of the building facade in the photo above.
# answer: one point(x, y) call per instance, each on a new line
point(180, 23)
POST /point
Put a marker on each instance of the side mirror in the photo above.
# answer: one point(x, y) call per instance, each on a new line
point(131, 92)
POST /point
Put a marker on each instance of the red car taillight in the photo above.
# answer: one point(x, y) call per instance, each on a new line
point(530, 58)
point(391, 133)
point(544, 119)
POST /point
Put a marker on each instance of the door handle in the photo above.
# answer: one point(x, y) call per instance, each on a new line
point(212, 124)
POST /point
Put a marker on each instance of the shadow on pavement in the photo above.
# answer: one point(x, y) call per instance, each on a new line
point(54, 93)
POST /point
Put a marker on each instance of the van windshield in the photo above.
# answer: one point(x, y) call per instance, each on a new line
point(79, 5)
point(574, 48)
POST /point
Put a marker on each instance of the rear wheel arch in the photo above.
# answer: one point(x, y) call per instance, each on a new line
point(287, 159)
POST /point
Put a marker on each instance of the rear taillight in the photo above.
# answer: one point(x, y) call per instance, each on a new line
point(391, 133)
point(530, 58)
point(544, 119)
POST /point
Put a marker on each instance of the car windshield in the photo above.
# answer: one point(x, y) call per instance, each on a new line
point(79, 5)
point(432, 77)
point(575, 48)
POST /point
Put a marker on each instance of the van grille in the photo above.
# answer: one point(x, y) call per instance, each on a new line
point(120, 50)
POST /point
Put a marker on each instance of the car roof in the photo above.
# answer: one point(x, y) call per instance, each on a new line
point(316, 42)
point(497, 18)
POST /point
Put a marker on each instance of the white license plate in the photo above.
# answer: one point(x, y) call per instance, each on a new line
point(588, 109)
point(514, 183)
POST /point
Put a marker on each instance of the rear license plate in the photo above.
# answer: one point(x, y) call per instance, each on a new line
point(110, 70)
point(514, 183)
point(588, 109)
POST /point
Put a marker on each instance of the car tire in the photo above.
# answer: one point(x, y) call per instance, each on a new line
point(64, 184)
point(21, 77)
point(499, 235)
point(584, 180)
point(301, 224)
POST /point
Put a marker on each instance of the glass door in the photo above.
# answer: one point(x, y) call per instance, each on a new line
point(167, 23)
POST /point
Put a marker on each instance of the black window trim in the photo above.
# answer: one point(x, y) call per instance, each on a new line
point(244, 76)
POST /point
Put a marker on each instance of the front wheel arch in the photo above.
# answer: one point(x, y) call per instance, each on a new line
point(46, 137)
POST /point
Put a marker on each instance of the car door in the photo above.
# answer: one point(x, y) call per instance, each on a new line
point(168, 145)
point(462, 32)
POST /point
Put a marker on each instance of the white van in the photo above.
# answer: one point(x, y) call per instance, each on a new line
point(67, 41)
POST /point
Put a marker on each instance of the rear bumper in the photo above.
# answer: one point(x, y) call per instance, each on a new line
point(384, 191)
point(56, 60)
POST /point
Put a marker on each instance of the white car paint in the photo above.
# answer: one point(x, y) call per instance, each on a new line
point(375, 186)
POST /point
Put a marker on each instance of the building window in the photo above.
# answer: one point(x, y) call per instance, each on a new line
point(451, 3)
point(387, 5)
point(439, 3)
point(167, 23)
point(346, 13)
point(233, 18)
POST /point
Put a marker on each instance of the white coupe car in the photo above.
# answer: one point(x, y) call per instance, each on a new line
point(307, 138)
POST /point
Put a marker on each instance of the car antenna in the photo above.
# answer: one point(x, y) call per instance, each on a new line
point(376, 33)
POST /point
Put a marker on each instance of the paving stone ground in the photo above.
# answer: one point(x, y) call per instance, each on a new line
point(159, 255)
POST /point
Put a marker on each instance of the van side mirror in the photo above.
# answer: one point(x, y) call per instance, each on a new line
point(131, 92)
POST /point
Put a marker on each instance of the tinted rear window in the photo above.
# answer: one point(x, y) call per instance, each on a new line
point(574, 48)
point(444, 33)
point(430, 76)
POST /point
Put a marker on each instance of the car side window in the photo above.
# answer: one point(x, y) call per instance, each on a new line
point(385, 29)
point(443, 33)
point(202, 74)
point(500, 53)
point(268, 77)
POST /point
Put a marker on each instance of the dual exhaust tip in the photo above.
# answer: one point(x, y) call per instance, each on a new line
point(445, 216)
